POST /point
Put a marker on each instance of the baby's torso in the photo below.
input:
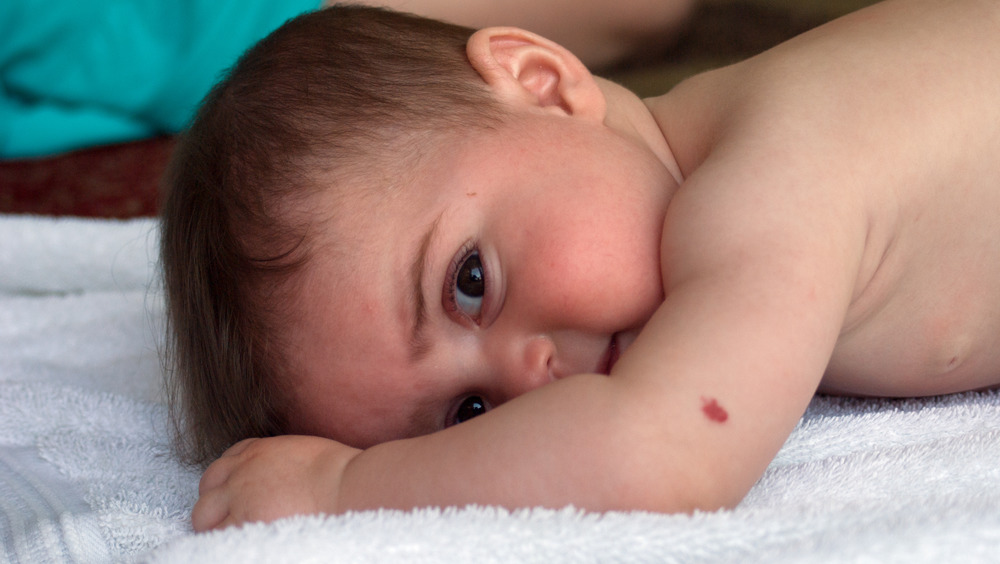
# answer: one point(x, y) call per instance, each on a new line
point(908, 126)
point(925, 318)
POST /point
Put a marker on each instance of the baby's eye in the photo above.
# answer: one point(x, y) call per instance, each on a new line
point(472, 406)
point(470, 286)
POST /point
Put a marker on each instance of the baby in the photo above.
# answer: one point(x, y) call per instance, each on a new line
point(464, 270)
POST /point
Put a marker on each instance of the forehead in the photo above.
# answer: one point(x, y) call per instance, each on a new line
point(348, 340)
point(346, 349)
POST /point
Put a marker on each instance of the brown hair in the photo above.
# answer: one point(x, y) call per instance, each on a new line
point(331, 93)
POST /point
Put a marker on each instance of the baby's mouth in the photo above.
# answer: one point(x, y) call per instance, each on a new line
point(611, 356)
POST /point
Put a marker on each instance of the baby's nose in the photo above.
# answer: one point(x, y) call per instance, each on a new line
point(531, 367)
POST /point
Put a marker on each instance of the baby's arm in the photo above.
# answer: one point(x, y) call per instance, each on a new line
point(756, 288)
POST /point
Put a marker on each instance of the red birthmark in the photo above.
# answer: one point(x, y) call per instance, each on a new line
point(713, 410)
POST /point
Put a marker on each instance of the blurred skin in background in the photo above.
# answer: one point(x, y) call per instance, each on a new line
point(82, 74)
point(599, 32)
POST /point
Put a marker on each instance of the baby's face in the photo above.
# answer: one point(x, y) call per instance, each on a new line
point(516, 257)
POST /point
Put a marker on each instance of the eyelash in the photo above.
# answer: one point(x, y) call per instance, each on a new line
point(451, 280)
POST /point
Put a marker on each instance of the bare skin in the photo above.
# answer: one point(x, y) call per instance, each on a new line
point(830, 212)
point(598, 32)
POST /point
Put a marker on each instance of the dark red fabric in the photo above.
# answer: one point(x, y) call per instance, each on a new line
point(115, 181)
point(122, 180)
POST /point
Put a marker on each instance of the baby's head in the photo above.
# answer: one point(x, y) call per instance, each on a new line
point(368, 238)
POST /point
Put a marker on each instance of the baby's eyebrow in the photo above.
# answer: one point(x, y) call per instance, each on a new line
point(420, 346)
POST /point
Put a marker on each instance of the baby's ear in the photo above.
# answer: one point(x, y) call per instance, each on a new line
point(524, 68)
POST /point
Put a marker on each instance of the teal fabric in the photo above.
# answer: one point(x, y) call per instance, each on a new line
point(77, 73)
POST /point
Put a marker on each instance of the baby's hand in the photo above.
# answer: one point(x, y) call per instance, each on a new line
point(266, 479)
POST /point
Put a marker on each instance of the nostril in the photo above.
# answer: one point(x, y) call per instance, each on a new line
point(540, 360)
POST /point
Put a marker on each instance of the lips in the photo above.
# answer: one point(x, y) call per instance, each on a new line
point(611, 356)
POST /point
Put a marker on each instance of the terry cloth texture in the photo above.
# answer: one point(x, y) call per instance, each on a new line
point(87, 474)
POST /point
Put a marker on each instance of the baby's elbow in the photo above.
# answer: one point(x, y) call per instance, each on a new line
point(675, 492)
point(654, 471)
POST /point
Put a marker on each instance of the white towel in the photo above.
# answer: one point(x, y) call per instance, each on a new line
point(859, 480)
point(43, 254)
point(86, 473)
point(85, 469)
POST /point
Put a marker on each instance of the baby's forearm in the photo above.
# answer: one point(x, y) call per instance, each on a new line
point(538, 450)
point(584, 441)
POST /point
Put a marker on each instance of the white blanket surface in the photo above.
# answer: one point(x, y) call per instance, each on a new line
point(87, 475)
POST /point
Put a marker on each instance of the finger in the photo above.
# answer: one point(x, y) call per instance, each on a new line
point(239, 447)
point(217, 474)
point(209, 512)
point(229, 521)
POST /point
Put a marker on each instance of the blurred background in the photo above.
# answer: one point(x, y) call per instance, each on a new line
point(121, 180)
